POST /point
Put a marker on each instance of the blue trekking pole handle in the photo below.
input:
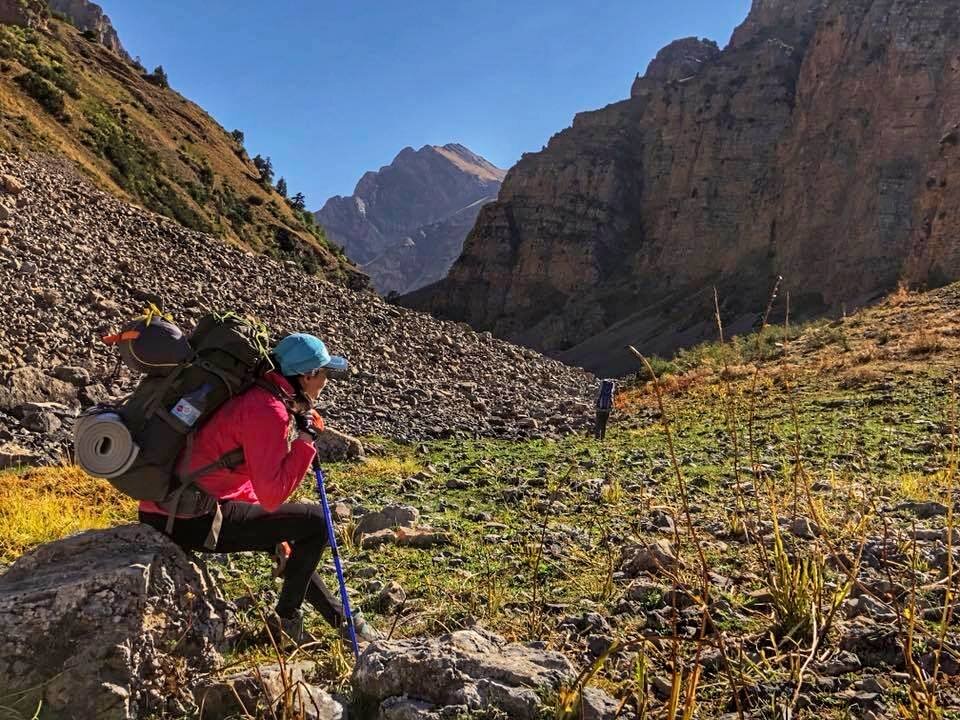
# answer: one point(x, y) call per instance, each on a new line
point(332, 539)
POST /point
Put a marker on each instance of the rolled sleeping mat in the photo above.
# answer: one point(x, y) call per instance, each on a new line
point(103, 445)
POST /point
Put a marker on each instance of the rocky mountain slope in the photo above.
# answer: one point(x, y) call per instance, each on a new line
point(405, 224)
point(67, 88)
point(75, 262)
point(820, 145)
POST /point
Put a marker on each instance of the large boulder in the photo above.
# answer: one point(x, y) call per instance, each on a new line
point(468, 670)
point(14, 456)
point(333, 446)
point(30, 385)
point(112, 624)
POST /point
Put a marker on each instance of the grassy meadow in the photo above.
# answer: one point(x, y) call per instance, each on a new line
point(766, 530)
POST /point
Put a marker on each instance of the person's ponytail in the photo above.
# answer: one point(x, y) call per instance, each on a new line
point(294, 381)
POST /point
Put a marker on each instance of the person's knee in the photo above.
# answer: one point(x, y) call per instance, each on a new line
point(307, 524)
point(317, 536)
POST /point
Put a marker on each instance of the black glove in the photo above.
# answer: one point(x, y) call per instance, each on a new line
point(305, 425)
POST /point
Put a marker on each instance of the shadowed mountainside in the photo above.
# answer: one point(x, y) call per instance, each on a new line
point(820, 145)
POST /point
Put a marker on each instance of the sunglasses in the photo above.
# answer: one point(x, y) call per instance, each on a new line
point(331, 373)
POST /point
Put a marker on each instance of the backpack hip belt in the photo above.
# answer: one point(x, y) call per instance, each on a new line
point(191, 501)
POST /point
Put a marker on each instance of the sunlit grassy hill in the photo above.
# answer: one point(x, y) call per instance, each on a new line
point(65, 94)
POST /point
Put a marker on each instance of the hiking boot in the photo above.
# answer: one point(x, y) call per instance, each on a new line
point(290, 629)
point(366, 633)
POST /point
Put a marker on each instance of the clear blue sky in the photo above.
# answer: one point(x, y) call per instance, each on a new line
point(332, 88)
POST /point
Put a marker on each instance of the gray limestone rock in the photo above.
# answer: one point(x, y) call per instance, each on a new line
point(269, 691)
point(111, 624)
point(469, 670)
point(392, 516)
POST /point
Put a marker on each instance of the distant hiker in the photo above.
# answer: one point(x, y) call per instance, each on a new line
point(604, 408)
point(275, 426)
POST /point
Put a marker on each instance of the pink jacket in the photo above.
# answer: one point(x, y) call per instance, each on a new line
point(274, 460)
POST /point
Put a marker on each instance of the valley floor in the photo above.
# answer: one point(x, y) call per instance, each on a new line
point(776, 541)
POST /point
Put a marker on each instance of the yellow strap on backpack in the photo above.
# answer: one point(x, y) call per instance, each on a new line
point(152, 312)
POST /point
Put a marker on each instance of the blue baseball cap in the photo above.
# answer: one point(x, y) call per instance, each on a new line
point(300, 354)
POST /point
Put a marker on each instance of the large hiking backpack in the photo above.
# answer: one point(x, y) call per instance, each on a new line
point(135, 445)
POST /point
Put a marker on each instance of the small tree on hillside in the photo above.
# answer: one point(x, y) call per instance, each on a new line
point(299, 202)
point(159, 77)
point(238, 136)
point(265, 167)
point(282, 187)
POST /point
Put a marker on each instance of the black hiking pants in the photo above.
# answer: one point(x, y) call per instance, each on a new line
point(600, 428)
point(249, 527)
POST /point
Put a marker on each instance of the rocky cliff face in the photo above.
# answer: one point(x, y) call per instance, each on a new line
point(680, 60)
point(24, 13)
point(406, 223)
point(818, 145)
point(89, 17)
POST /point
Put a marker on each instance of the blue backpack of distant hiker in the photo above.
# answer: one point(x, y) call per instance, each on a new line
point(135, 444)
point(605, 398)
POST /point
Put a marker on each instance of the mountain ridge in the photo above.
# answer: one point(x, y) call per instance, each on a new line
point(404, 223)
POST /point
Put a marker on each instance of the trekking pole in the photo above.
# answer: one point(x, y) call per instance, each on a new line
point(332, 539)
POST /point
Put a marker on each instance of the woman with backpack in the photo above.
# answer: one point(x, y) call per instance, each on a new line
point(275, 426)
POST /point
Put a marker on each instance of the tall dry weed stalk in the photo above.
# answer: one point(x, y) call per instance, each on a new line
point(692, 679)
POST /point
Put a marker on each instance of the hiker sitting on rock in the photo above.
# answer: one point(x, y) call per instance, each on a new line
point(278, 450)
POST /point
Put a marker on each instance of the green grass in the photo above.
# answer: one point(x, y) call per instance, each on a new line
point(136, 168)
point(46, 79)
point(538, 526)
point(44, 92)
point(761, 346)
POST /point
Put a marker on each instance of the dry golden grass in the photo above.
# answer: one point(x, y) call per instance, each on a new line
point(40, 505)
point(859, 377)
point(672, 385)
point(925, 486)
point(632, 399)
point(867, 354)
point(737, 372)
point(900, 296)
point(45, 504)
point(924, 342)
